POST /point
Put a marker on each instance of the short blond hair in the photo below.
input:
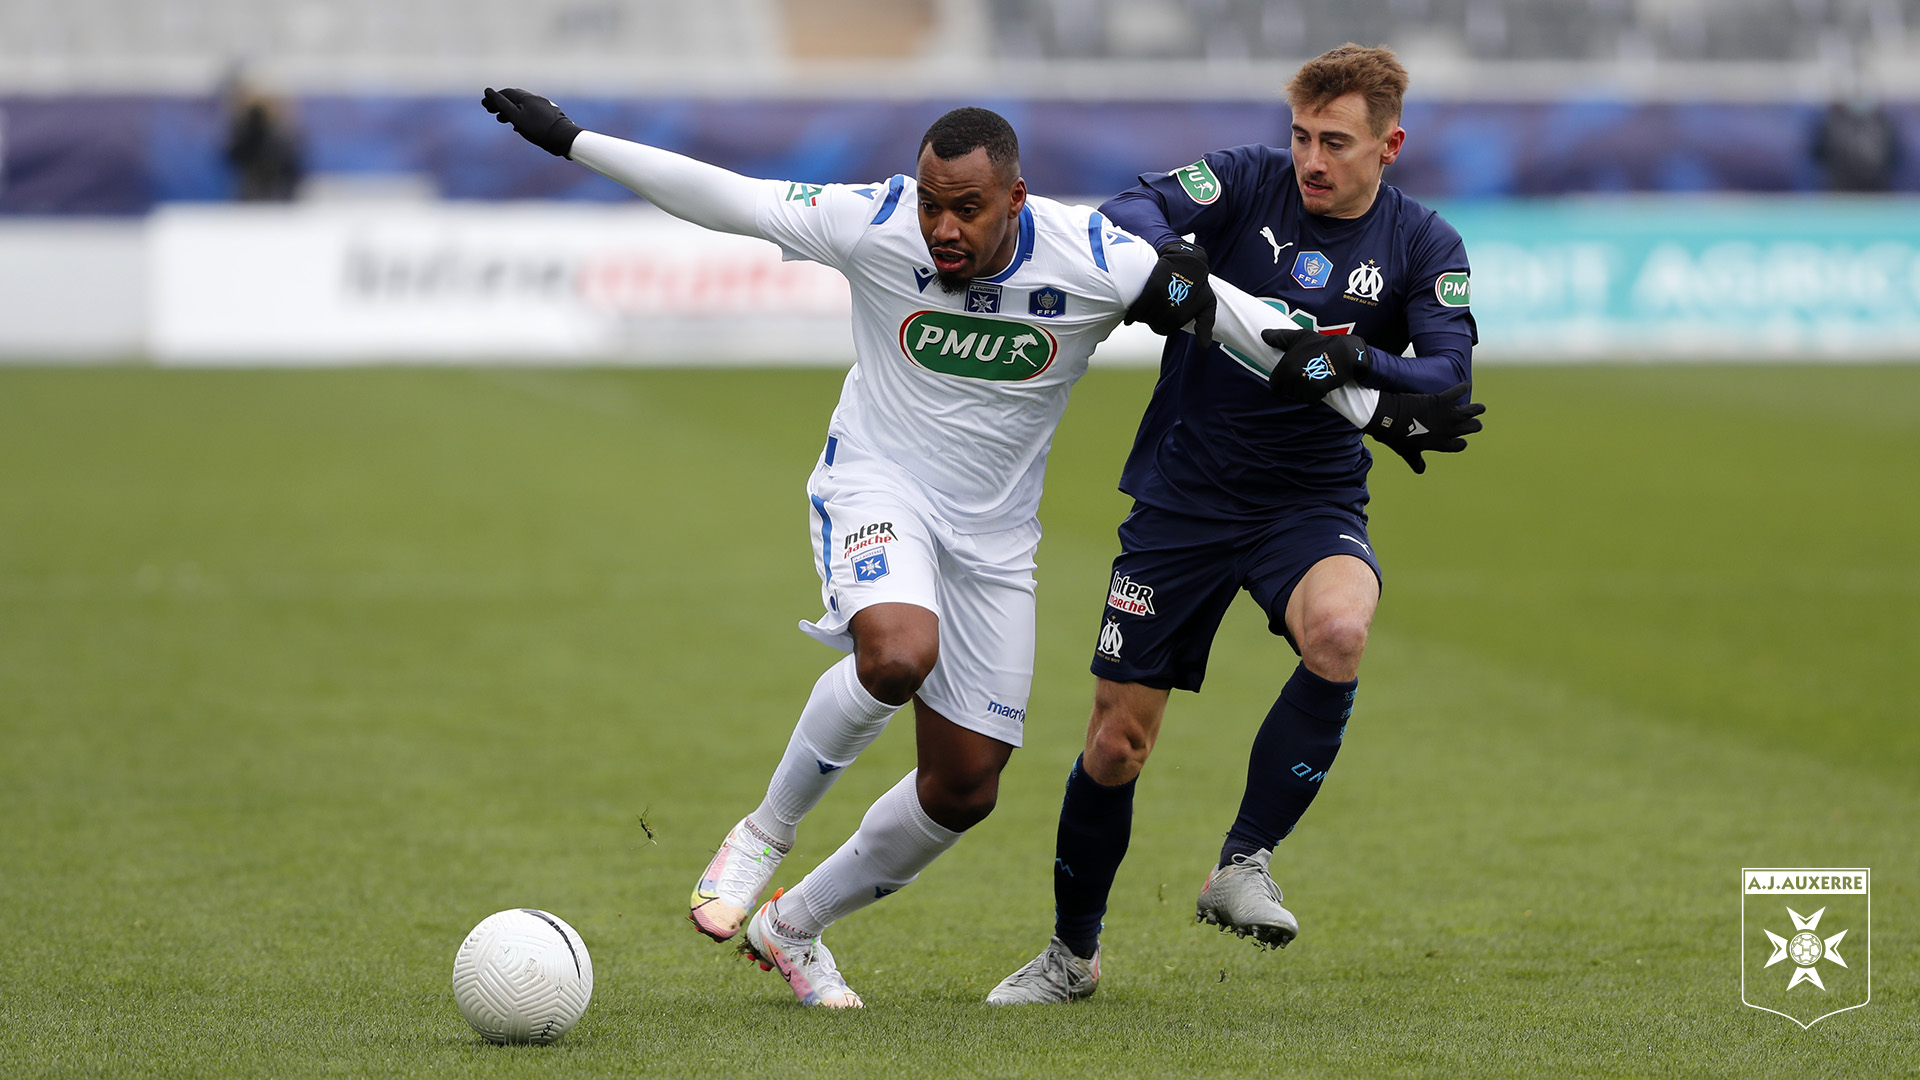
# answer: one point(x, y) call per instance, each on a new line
point(1374, 73)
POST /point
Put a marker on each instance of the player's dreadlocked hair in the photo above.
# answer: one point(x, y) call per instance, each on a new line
point(967, 129)
point(1375, 74)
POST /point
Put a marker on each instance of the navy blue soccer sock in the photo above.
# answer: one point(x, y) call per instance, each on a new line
point(1291, 755)
point(1096, 822)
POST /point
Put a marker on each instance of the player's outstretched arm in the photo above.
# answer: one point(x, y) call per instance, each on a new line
point(1239, 323)
point(1407, 424)
point(1178, 292)
point(1313, 364)
point(695, 191)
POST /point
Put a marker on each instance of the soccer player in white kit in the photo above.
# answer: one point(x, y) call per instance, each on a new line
point(975, 308)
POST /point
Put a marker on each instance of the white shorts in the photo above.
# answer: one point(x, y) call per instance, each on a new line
point(875, 542)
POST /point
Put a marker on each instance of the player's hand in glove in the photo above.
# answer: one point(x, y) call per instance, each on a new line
point(1177, 293)
point(1408, 424)
point(538, 120)
point(1311, 364)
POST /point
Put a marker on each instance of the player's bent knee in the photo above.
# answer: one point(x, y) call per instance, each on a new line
point(959, 802)
point(1333, 645)
point(893, 675)
point(1116, 753)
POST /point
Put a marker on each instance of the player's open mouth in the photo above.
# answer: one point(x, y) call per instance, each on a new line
point(948, 261)
point(1312, 188)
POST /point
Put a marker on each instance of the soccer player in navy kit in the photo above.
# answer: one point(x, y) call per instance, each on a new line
point(1239, 486)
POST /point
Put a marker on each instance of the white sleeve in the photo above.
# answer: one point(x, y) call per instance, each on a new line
point(1237, 326)
point(695, 191)
point(825, 222)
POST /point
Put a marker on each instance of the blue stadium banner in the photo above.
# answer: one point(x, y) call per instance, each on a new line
point(1695, 276)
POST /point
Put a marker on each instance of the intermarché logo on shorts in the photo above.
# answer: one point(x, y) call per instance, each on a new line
point(973, 347)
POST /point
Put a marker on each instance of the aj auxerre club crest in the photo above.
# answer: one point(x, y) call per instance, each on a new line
point(975, 347)
point(983, 298)
point(1806, 941)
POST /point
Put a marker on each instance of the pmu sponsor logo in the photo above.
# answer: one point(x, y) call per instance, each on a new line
point(1453, 290)
point(867, 536)
point(973, 347)
point(1007, 711)
point(1130, 596)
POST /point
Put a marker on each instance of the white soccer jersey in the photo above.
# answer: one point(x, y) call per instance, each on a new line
point(961, 391)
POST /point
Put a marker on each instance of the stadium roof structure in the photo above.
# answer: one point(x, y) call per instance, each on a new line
point(1114, 49)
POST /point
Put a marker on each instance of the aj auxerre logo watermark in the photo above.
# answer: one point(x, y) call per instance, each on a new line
point(1806, 941)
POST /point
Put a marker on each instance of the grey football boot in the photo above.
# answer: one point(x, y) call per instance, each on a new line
point(1055, 975)
point(1242, 897)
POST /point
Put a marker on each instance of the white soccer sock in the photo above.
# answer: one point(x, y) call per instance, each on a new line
point(839, 721)
point(895, 841)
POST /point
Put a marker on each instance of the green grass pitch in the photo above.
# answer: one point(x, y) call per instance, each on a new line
point(303, 673)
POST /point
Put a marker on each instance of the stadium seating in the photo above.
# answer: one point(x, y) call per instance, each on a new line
point(99, 43)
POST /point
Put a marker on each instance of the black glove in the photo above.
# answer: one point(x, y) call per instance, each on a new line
point(1313, 364)
point(1177, 293)
point(538, 120)
point(1410, 423)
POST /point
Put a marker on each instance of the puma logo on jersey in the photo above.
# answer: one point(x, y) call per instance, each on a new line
point(1272, 242)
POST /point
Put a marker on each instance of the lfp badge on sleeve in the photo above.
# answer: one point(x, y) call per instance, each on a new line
point(1806, 941)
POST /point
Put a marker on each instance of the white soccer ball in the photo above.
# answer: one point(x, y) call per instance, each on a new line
point(522, 976)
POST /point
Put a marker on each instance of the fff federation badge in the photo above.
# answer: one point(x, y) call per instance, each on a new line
point(1806, 941)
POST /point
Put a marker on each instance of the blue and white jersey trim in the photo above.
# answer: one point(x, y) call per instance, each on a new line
point(1025, 251)
point(1095, 226)
point(892, 202)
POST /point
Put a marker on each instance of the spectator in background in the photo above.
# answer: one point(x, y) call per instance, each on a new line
point(1857, 145)
point(263, 147)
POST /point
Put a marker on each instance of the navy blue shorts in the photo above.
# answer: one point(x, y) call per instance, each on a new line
point(1176, 575)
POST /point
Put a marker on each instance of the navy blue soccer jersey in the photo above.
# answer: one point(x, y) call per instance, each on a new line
point(1215, 442)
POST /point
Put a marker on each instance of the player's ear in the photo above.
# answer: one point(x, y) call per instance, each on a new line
point(1017, 196)
point(1395, 140)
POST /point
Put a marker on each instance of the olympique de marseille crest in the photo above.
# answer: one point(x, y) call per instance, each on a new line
point(1806, 941)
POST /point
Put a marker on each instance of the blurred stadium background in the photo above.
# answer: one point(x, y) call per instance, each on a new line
point(257, 181)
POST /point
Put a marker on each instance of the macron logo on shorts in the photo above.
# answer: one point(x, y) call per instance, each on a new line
point(1130, 596)
point(1007, 711)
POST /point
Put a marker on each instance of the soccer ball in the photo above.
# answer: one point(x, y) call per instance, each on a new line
point(522, 976)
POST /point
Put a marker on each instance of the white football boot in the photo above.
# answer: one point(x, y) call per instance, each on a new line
point(1056, 975)
point(734, 880)
point(805, 963)
point(1242, 897)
